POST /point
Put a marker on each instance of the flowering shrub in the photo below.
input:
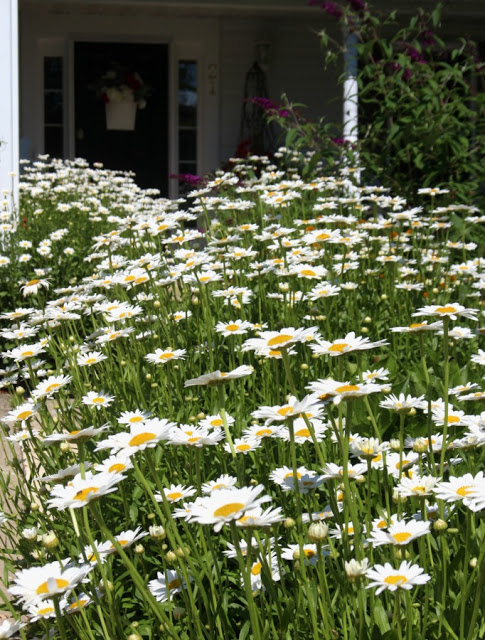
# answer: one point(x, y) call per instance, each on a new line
point(421, 103)
point(267, 428)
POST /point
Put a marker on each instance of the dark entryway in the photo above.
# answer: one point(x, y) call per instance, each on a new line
point(143, 150)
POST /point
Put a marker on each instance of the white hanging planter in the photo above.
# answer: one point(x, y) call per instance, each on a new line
point(121, 116)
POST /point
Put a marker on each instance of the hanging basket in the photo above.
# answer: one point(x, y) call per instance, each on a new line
point(121, 116)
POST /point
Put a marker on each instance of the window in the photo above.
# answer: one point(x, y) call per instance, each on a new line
point(53, 107)
point(187, 117)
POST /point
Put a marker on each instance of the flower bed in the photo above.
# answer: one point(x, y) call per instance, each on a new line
point(267, 428)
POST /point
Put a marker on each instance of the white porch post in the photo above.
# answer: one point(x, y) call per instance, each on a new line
point(9, 102)
point(351, 90)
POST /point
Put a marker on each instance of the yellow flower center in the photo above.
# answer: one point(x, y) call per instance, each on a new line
point(402, 536)
point(232, 327)
point(98, 400)
point(256, 569)
point(84, 493)
point(43, 588)
point(243, 447)
point(24, 415)
point(173, 584)
point(33, 282)
point(284, 411)
point(45, 611)
point(141, 438)
point(309, 553)
point(263, 432)
point(453, 419)
point(308, 272)
point(176, 495)
point(303, 433)
point(228, 509)
point(323, 236)
point(134, 419)
point(76, 605)
point(416, 325)
point(192, 440)
point(75, 432)
point(27, 354)
point(382, 524)
point(274, 353)
point(419, 489)
point(166, 356)
point(397, 580)
point(464, 491)
point(346, 388)
point(118, 467)
point(52, 386)
point(445, 310)
point(290, 475)
point(281, 339)
point(90, 360)
point(339, 346)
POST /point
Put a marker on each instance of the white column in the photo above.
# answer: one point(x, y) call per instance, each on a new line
point(9, 101)
point(351, 90)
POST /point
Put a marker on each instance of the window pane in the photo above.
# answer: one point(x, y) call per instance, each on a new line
point(53, 73)
point(53, 107)
point(53, 141)
point(187, 145)
point(187, 97)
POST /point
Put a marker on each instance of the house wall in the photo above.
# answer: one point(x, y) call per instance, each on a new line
point(226, 41)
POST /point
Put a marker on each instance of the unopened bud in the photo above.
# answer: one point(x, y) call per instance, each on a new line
point(317, 532)
point(473, 563)
point(171, 557)
point(50, 540)
point(395, 444)
point(20, 391)
point(360, 479)
point(304, 366)
point(157, 304)
point(383, 297)
point(65, 447)
point(139, 549)
point(178, 613)
point(157, 532)
point(289, 523)
point(106, 585)
point(440, 525)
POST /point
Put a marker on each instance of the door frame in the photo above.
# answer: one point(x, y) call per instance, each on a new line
point(176, 52)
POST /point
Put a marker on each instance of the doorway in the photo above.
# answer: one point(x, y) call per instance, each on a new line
point(143, 150)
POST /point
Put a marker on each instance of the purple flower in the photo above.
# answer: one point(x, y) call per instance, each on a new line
point(428, 38)
point(186, 178)
point(332, 8)
point(407, 74)
point(357, 5)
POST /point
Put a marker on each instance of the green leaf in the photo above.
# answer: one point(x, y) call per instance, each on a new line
point(380, 617)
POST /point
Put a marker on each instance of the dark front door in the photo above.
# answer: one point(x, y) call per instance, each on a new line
point(143, 150)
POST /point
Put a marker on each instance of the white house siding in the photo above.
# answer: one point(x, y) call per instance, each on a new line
point(295, 68)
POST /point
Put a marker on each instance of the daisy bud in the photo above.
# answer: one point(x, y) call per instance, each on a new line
point(34, 506)
point(20, 391)
point(440, 525)
point(289, 523)
point(360, 479)
point(50, 540)
point(123, 363)
point(157, 304)
point(193, 419)
point(30, 534)
point(412, 411)
point(188, 398)
point(139, 549)
point(321, 318)
point(396, 498)
point(402, 554)
point(453, 530)
point(72, 339)
point(133, 636)
point(317, 532)
point(355, 570)
point(435, 290)
point(170, 557)
point(151, 516)
point(148, 377)
point(386, 389)
point(364, 329)
point(178, 613)
point(254, 482)
point(181, 553)
point(65, 447)
point(103, 586)
point(367, 320)
point(296, 554)
point(395, 444)
point(383, 297)
point(473, 563)
point(135, 624)
point(37, 554)
point(304, 366)
point(157, 532)
point(154, 385)
point(420, 445)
